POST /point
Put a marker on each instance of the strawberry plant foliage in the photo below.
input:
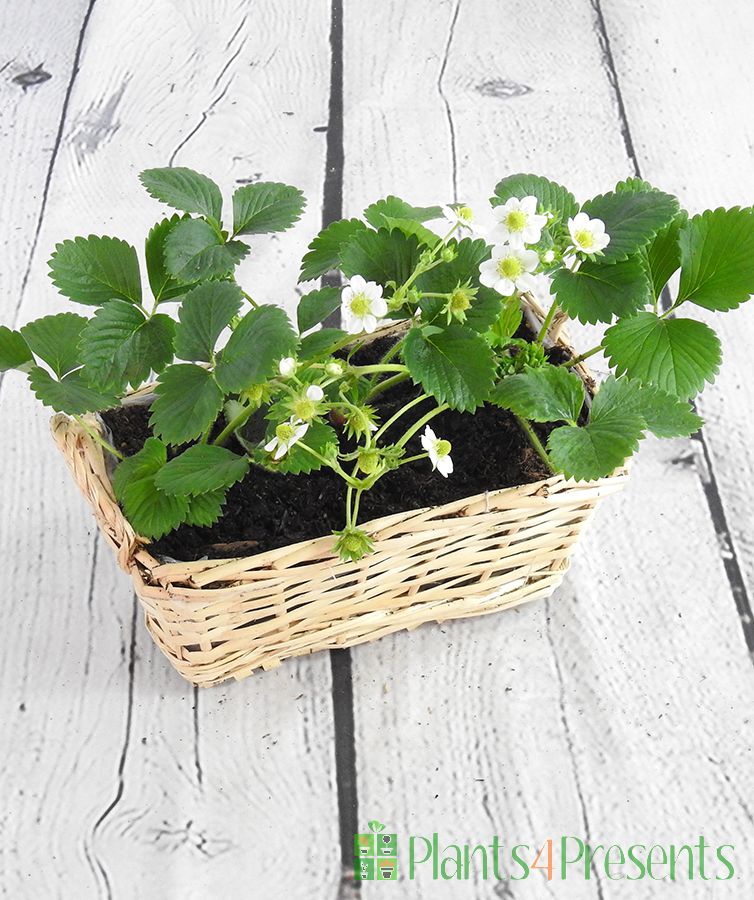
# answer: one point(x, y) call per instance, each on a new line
point(237, 387)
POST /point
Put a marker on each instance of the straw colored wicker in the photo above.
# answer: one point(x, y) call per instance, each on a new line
point(221, 618)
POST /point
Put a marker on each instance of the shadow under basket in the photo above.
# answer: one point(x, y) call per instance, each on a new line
point(222, 618)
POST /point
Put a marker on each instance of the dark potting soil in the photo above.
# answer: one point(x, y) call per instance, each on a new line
point(268, 510)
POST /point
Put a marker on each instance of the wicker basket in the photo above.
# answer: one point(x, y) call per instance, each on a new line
point(220, 618)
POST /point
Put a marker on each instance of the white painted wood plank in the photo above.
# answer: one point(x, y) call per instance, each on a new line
point(559, 707)
point(128, 791)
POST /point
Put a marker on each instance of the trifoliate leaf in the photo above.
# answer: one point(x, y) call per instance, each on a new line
point(547, 394)
point(194, 251)
point(380, 256)
point(164, 286)
point(265, 207)
point(14, 351)
point(318, 343)
point(262, 338)
point(298, 461)
point(552, 197)
point(412, 229)
point(395, 208)
point(151, 512)
point(324, 250)
point(632, 219)
point(95, 269)
point(184, 189)
point(597, 292)
point(454, 364)
point(678, 355)
point(663, 254)
point(55, 339)
point(72, 394)
point(121, 346)
point(188, 400)
point(201, 469)
point(205, 509)
point(316, 306)
point(664, 415)
point(717, 258)
point(205, 311)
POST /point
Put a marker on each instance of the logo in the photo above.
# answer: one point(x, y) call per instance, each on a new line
point(376, 854)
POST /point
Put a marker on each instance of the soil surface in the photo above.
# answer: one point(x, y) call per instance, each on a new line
point(268, 510)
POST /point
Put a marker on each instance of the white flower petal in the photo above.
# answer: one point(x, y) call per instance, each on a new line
point(369, 323)
point(314, 392)
point(358, 284)
point(505, 287)
point(445, 466)
point(281, 450)
point(270, 445)
point(529, 259)
point(529, 205)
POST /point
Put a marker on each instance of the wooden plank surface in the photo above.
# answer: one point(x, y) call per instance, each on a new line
point(568, 717)
point(125, 781)
point(618, 711)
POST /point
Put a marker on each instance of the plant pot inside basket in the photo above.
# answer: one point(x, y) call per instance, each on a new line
point(220, 617)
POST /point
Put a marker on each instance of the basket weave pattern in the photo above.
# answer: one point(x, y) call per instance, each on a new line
point(221, 618)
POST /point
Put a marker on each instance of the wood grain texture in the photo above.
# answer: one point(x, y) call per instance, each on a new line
point(570, 717)
point(121, 787)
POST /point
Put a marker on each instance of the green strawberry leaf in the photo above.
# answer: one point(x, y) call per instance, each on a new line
point(663, 254)
point(380, 256)
point(717, 258)
point(454, 364)
point(412, 229)
point(316, 306)
point(94, 270)
point(598, 292)
point(677, 355)
point(202, 469)
point(664, 415)
point(188, 400)
point(266, 207)
point(632, 219)
point(205, 311)
point(14, 351)
point(324, 250)
point(205, 509)
point(318, 343)
point(184, 189)
point(395, 208)
point(507, 323)
point(72, 394)
point(194, 251)
point(164, 286)
point(551, 197)
point(547, 394)
point(262, 338)
point(151, 512)
point(55, 339)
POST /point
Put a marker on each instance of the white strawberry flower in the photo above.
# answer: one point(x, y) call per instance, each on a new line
point(362, 304)
point(588, 235)
point(439, 452)
point(314, 392)
point(286, 435)
point(287, 366)
point(464, 218)
point(509, 270)
point(518, 222)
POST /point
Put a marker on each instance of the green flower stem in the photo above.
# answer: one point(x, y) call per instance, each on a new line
point(386, 385)
point(423, 421)
point(547, 322)
point(349, 479)
point(570, 363)
point(349, 497)
point(378, 368)
point(397, 415)
point(535, 442)
point(410, 459)
point(251, 300)
point(96, 436)
point(239, 420)
point(355, 507)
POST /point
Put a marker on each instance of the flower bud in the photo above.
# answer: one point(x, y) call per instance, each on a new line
point(287, 366)
point(448, 254)
point(369, 461)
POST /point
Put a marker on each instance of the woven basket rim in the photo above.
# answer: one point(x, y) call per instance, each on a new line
point(134, 549)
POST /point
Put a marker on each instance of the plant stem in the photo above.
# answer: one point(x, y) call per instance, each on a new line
point(535, 442)
point(569, 363)
point(547, 322)
point(410, 459)
point(423, 421)
point(96, 436)
point(379, 368)
point(239, 420)
point(397, 415)
point(251, 300)
point(386, 385)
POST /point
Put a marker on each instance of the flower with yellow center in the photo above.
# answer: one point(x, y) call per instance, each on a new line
point(459, 302)
point(518, 223)
point(463, 217)
point(362, 304)
point(286, 435)
point(438, 451)
point(588, 235)
point(509, 270)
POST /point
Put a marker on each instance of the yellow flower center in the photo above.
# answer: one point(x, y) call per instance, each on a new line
point(465, 213)
point(584, 238)
point(460, 300)
point(442, 448)
point(303, 408)
point(516, 220)
point(285, 432)
point(509, 267)
point(361, 305)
